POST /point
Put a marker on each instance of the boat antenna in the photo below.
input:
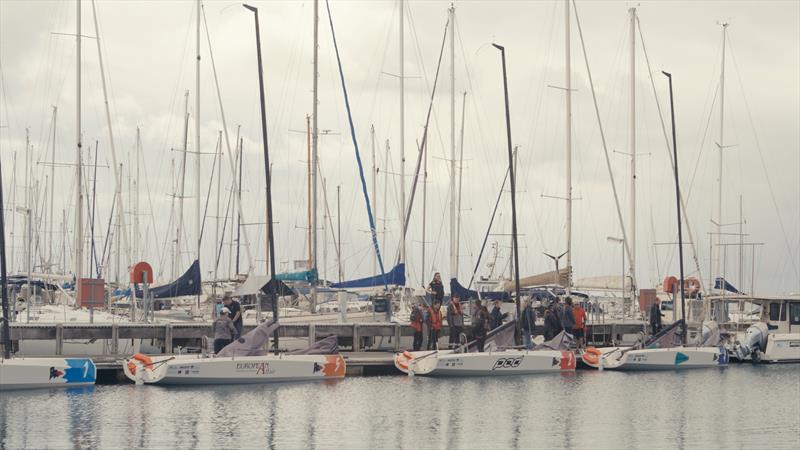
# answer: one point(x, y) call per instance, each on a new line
point(678, 205)
point(270, 236)
point(3, 279)
point(513, 190)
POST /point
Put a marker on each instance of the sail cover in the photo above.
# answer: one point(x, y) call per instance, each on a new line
point(397, 277)
point(500, 338)
point(187, 284)
point(457, 290)
point(721, 283)
point(252, 343)
point(562, 341)
point(542, 279)
point(668, 337)
point(306, 275)
point(327, 346)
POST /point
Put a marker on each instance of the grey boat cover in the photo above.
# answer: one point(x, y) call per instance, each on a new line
point(327, 346)
point(500, 338)
point(669, 337)
point(252, 343)
point(562, 341)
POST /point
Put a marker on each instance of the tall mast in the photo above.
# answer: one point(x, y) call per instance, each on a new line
point(136, 231)
point(374, 191)
point(78, 174)
point(385, 192)
point(460, 177)
point(314, 157)
point(52, 193)
point(453, 232)
point(172, 212)
point(197, 217)
point(13, 213)
point(339, 230)
point(721, 147)
point(239, 198)
point(569, 146)
point(402, 141)
point(424, 208)
point(28, 220)
point(219, 194)
point(308, 184)
point(181, 197)
point(632, 265)
point(117, 174)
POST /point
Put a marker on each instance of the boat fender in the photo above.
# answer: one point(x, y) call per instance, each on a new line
point(592, 355)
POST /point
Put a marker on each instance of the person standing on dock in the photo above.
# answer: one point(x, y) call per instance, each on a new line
point(496, 316)
point(655, 316)
point(479, 323)
point(567, 317)
point(223, 330)
point(435, 324)
point(235, 309)
point(416, 324)
point(436, 289)
point(579, 330)
point(455, 320)
point(527, 323)
point(552, 326)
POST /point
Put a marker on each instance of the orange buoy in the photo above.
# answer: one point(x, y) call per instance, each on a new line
point(592, 356)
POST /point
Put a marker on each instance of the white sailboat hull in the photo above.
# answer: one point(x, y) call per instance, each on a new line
point(197, 369)
point(676, 358)
point(33, 373)
point(498, 363)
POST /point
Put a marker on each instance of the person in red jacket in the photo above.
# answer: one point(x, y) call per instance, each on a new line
point(579, 329)
point(435, 318)
point(416, 324)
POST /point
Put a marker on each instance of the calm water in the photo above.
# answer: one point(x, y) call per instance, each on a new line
point(738, 407)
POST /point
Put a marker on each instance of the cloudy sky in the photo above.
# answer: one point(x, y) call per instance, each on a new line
point(149, 47)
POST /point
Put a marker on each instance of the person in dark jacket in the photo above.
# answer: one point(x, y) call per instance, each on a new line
point(527, 323)
point(416, 324)
point(435, 288)
point(655, 316)
point(552, 326)
point(496, 316)
point(479, 325)
point(567, 318)
point(434, 324)
point(455, 320)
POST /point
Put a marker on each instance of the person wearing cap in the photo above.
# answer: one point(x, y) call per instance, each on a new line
point(223, 330)
point(235, 311)
point(416, 320)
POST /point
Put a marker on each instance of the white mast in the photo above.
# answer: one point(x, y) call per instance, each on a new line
point(569, 147)
point(13, 213)
point(385, 192)
point(117, 174)
point(402, 142)
point(721, 147)
point(632, 265)
point(78, 175)
point(181, 197)
point(453, 231)
point(314, 156)
point(374, 192)
point(172, 212)
point(28, 222)
point(219, 192)
point(197, 216)
point(52, 193)
point(136, 231)
point(460, 177)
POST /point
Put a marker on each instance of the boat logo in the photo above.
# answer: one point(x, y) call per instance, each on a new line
point(317, 367)
point(55, 373)
point(507, 363)
point(261, 367)
point(680, 358)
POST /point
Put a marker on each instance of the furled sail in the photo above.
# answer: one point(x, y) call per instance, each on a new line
point(542, 279)
point(396, 277)
point(457, 290)
point(187, 284)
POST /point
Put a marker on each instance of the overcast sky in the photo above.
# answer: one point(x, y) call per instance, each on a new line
point(149, 48)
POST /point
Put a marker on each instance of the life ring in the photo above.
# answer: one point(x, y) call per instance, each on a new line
point(399, 360)
point(592, 356)
point(692, 286)
point(144, 359)
point(670, 285)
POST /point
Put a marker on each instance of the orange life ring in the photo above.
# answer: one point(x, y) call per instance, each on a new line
point(144, 359)
point(592, 355)
point(670, 285)
point(692, 286)
point(400, 362)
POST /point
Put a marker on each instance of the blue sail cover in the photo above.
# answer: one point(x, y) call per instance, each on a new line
point(397, 277)
point(187, 284)
point(457, 290)
point(306, 275)
point(718, 283)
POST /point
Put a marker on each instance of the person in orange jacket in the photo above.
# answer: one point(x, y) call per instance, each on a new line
point(435, 324)
point(416, 324)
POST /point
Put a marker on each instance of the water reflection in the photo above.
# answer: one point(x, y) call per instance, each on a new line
point(702, 408)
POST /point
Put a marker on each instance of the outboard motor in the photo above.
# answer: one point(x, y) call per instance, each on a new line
point(753, 343)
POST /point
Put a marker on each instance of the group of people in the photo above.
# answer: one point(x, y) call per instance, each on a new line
point(228, 325)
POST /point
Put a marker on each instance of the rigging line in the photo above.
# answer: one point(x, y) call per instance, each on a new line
point(702, 144)
point(602, 135)
point(327, 209)
point(763, 163)
point(489, 228)
point(358, 156)
point(210, 184)
point(424, 146)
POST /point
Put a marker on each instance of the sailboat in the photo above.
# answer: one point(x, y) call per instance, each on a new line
point(26, 373)
point(245, 361)
point(667, 350)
